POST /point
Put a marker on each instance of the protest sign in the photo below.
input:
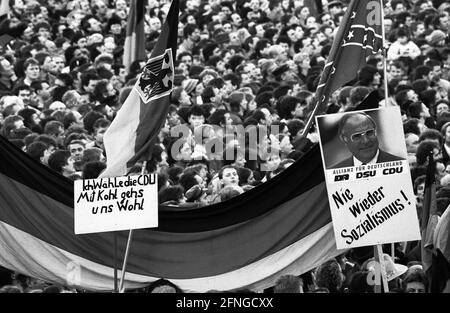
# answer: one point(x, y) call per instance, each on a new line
point(368, 179)
point(116, 203)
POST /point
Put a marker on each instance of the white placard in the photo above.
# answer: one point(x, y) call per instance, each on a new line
point(116, 203)
point(368, 179)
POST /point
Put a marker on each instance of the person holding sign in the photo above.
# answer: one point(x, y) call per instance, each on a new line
point(358, 131)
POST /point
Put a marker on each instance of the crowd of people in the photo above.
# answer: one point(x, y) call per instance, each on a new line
point(246, 73)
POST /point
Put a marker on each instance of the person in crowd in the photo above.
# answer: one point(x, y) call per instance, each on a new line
point(358, 132)
point(288, 284)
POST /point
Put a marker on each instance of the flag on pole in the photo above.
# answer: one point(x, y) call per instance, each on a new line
point(134, 131)
point(429, 215)
point(359, 36)
point(134, 47)
point(4, 7)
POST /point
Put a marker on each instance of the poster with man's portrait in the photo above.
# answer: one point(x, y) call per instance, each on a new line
point(368, 178)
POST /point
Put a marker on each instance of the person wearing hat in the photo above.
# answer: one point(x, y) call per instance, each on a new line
point(335, 8)
point(393, 270)
point(436, 38)
point(190, 86)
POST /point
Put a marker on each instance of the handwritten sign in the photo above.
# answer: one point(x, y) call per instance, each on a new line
point(368, 179)
point(116, 203)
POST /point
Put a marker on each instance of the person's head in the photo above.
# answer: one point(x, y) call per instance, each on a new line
point(432, 134)
point(273, 161)
point(357, 94)
point(396, 70)
point(92, 170)
point(90, 118)
point(418, 29)
point(190, 178)
point(425, 148)
point(31, 68)
point(163, 286)
point(36, 150)
point(435, 73)
point(445, 131)
point(171, 193)
point(288, 284)
point(358, 131)
point(359, 282)
point(76, 148)
point(415, 282)
point(229, 192)
point(88, 81)
point(229, 176)
point(54, 128)
point(329, 275)
point(61, 162)
point(335, 7)
point(412, 141)
point(184, 152)
point(419, 186)
point(191, 32)
point(196, 116)
point(369, 76)
point(402, 36)
point(344, 96)
point(92, 154)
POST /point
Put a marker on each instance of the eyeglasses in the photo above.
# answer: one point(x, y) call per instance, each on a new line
point(370, 133)
point(76, 150)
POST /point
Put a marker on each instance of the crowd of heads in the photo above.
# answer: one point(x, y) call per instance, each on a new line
point(246, 73)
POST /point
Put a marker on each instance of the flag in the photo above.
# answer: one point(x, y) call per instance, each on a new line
point(135, 128)
point(440, 268)
point(429, 218)
point(4, 7)
point(280, 227)
point(358, 37)
point(134, 47)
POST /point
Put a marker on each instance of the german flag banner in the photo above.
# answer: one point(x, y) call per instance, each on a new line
point(280, 227)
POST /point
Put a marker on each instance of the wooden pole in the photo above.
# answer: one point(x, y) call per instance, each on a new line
point(127, 250)
point(380, 270)
point(115, 263)
point(125, 260)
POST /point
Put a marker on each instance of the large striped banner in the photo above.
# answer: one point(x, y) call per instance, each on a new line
point(280, 227)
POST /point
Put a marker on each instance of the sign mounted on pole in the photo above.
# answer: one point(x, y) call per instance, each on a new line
point(116, 203)
point(368, 178)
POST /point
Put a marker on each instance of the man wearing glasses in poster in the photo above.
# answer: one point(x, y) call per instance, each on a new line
point(358, 131)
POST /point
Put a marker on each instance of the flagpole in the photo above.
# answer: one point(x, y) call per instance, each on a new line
point(310, 120)
point(125, 260)
point(127, 250)
point(384, 54)
point(385, 80)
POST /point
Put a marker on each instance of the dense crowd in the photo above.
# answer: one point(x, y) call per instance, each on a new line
point(246, 73)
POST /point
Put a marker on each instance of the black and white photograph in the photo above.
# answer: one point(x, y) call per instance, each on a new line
point(360, 138)
point(224, 151)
